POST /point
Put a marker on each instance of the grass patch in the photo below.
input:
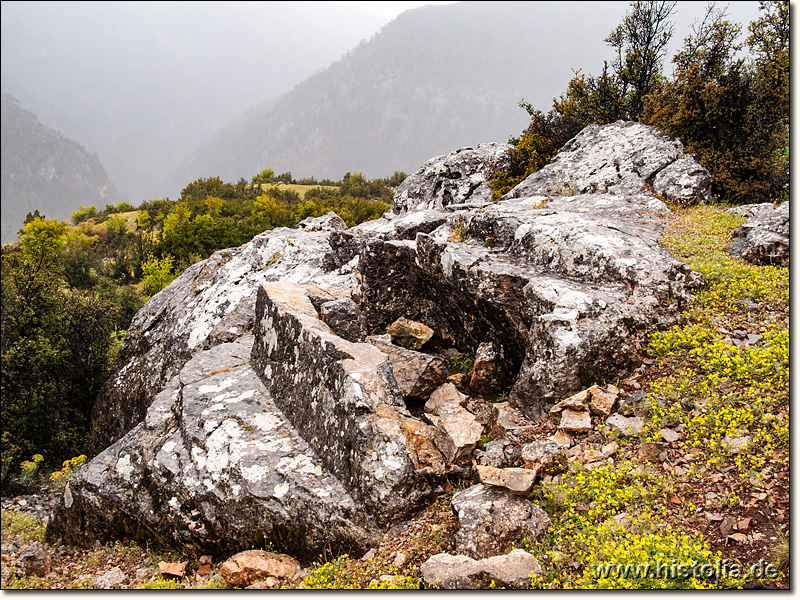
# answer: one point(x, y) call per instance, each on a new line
point(299, 189)
point(733, 401)
point(609, 517)
point(21, 526)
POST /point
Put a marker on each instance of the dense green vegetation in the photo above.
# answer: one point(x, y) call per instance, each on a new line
point(69, 292)
point(731, 112)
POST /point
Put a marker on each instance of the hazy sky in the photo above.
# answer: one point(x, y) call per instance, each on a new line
point(388, 10)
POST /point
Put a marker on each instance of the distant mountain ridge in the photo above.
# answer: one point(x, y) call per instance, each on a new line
point(434, 79)
point(44, 170)
point(145, 83)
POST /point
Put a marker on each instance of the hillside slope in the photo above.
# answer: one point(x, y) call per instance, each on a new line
point(44, 170)
point(434, 79)
point(144, 83)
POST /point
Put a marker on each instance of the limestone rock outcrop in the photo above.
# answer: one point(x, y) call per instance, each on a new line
point(213, 467)
point(245, 406)
point(463, 175)
point(764, 238)
point(620, 158)
point(212, 302)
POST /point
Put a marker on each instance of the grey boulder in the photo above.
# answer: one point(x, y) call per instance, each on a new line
point(764, 238)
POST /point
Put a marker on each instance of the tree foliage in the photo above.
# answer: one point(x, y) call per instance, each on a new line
point(732, 113)
point(56, 349)
point(640, 42)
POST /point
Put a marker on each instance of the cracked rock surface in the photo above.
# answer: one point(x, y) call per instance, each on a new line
point(463, 175)
point(214, 467)
point(621, 158)
point(764, 238)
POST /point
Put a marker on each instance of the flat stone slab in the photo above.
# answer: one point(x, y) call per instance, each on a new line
point(627, 426)
point(459, 572)
point(514, 479)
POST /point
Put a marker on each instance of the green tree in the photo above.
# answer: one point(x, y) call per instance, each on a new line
point(732, 115)
point(275, 212)
point(213, 206)
point(265, 176)
point(43, 240)
point(143, 220)
point(640, 42)
point(83, 213)
point(180, 214)
point(157, 273)
point(31, 216)
point(55, 346)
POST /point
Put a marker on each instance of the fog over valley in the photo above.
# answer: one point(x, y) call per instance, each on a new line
point(160, 94)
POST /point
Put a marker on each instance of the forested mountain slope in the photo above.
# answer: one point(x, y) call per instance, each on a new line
point(435, 78)
point(46, 171)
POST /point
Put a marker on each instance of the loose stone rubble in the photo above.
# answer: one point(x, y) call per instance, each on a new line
point(492, 518)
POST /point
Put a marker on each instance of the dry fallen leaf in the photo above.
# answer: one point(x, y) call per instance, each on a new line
point(738, 537)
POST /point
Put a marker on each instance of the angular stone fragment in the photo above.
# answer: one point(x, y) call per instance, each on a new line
point(421, 439)
point(514, 479)
point(609, 450)
point(651, 450)
point(491, 519)
point(34, 561)
point(417, 374)
point(512, 570)
point(250, 566)
point(561, 438)
point(669, 435)
point(113, 579)
point(493, 454)
point(345, 319)
point(410, 334)
point(575, 402)
point(453, 572)
point(485, 376)
point(172, 569)
point(447, 393)
point(544, 456)
point(627, 426)
point(458, 432)
point(505, 418)
point(736, 444)
point(576, 421)
point(481, 409)
point(602, 402)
